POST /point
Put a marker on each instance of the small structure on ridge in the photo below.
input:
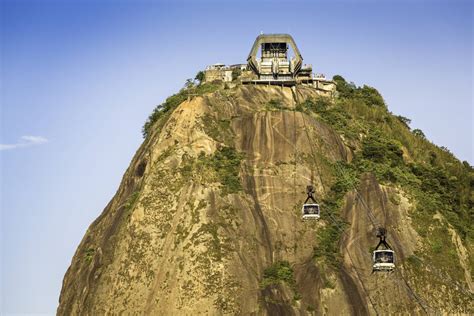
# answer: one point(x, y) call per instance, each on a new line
point(270, 62)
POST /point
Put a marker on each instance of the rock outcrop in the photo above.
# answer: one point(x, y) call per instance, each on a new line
point(212, 201)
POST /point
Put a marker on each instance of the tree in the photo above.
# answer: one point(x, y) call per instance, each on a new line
point(345, 89)
point(189, 83)
point(200, 76)
point(418, 132)
point(370, 96)
point(405, 120)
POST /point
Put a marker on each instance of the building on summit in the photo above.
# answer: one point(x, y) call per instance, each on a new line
point(270, 62)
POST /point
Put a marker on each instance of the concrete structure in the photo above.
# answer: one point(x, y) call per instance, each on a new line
point(274, 63)
point(219, 72)
point(270, 62)
point(224, 73)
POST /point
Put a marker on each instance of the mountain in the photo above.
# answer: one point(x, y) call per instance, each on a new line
point(207, 218)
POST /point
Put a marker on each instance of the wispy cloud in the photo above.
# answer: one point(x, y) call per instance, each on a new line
point(25, 141)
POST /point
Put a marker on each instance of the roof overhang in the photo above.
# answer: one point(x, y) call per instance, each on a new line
point(273, 38)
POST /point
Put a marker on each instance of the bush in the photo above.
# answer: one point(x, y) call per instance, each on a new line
point(316, 105)
point(404, 120)
point(370, 96)
point(279, 271)
point(381, 150)
point(344, 89)
point(223, 166)
point(328, 239)
point(200, 76)
point(274, 104)
point(419, 133)
point(226, 162)
point(89, 255)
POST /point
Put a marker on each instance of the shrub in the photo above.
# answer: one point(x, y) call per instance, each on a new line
point(378, 149)
point(274, 104)
point(223, 166)
point(344, 89)
point(226, 162)
point(316, 105)
point(370, 96)
point(404, 120)
point(279, 271)
point(328, 238)
point(89, 254)
point(200, 76)
point(419, 133)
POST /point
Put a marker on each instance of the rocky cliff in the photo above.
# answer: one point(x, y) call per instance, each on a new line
point(207, 219)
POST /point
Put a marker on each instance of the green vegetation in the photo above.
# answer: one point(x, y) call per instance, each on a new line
point(379, 149)
point(329, 236)
point(434, 181)
point(274, 105)
point(215, 248)
point(162, 111)
point(310, 308)
point(280, 272)
point(219, 130)
point(335, 116)
point(387, 147)
point(89, 255)
point(226, 163)
point(384, 145)
point(419, 133)
point(404, 120)
point(200, 77)
point(370, 96)
point(223, 166)
point(277, 273)
point(131, 200)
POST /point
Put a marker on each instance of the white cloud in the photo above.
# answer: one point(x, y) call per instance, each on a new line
point(25, 141)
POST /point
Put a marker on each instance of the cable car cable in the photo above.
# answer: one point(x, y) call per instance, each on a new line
point(373, 221)
point(295, 144)
point(342, 231)
point(370, 215)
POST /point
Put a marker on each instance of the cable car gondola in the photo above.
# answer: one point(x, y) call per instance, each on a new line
point(310, 210)
point(383, 259)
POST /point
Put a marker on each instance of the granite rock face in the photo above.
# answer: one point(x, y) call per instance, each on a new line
point(212, 200)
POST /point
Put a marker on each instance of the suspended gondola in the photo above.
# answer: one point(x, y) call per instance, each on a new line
point(383, 256)
point(310, 209)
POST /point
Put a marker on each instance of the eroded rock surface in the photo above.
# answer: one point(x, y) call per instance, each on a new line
point(182, 238)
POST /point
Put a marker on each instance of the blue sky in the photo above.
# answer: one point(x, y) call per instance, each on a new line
point(79, 78)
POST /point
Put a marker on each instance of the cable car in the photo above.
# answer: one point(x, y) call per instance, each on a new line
point(310, 210)
point(383, 259)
